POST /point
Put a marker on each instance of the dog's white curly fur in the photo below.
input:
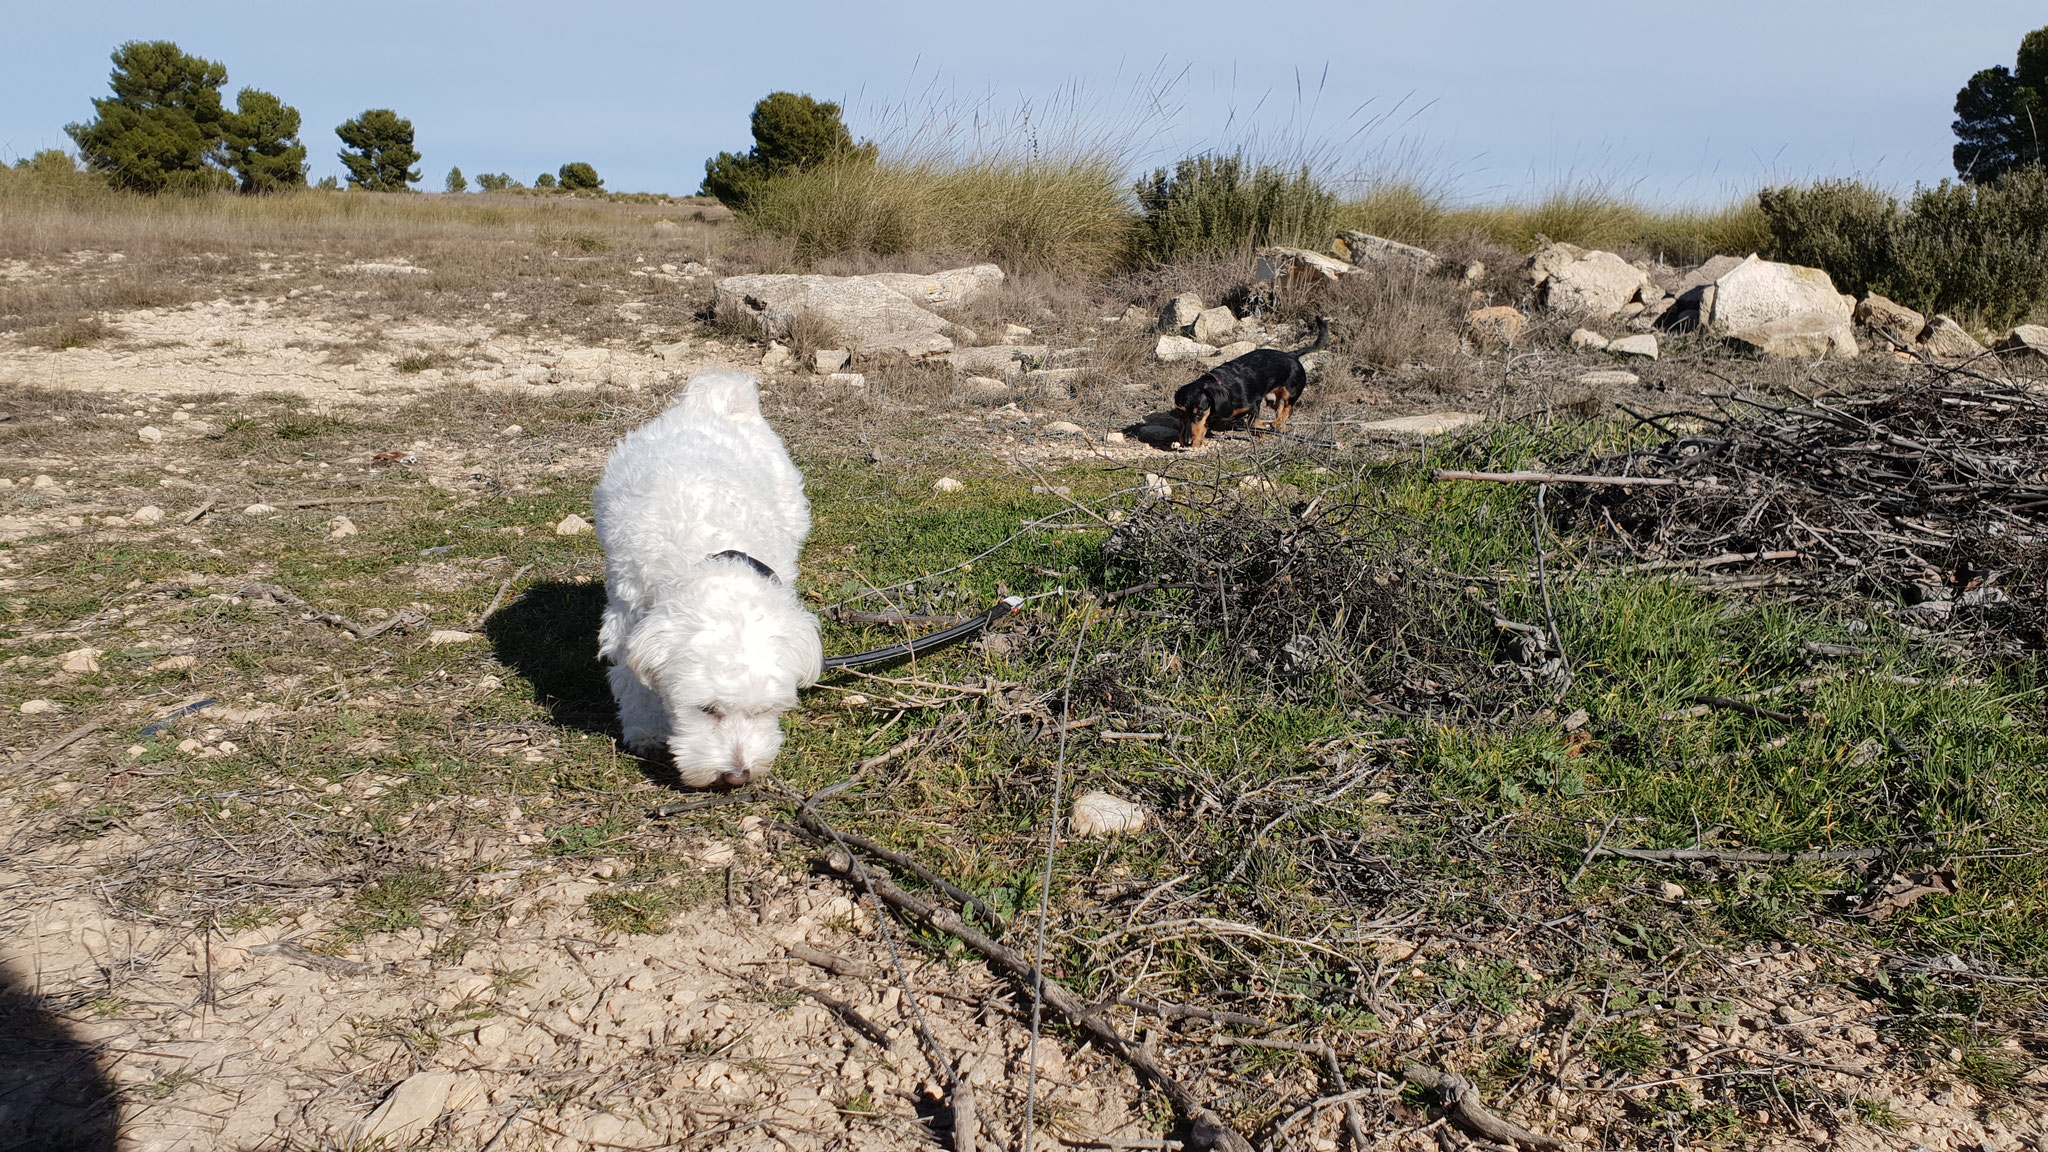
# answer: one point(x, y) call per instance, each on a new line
point(707, 652)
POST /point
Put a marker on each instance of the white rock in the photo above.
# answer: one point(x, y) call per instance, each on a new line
point(1172, 348)
point(408, 1112)
point(44, 483)
point(383, 268)
point(32, 707)
point(1098, 814)
point(1013, 333)
point(510, 430)
point(826, 361)
point(1596, 284)
point(258, 510)
point(573, 525)
point(340, 527)
point(80, 660)
point(449, 636)
point(1643, 345)
point(1234, 349)
point(995, 358)
point(1944, 339)
point(984, 387)
point(947, 484)
point(1214, 326)
point(1296, 267)
point(1180, 314)
point(940, 289)
point(1156, 485)
point(1363, 250)
point(149, 434)
point(777, 356)
point(2027, 340)
point(1112, 437)
point(872, 318)
point(675, 351)
point(147, 514)
point(1889, 318)
point(1588, 339)
point(1783, 310)
point(1064, 428)
point(848, 379)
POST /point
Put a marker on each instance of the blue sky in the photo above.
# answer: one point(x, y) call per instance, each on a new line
point(1503, 98)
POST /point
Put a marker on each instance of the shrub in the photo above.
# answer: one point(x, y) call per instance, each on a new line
point(159, 130)
point(1212, 206)
point(792, 134)
point(1849, 229)
point(261, 140)
point(328, 184)
point(580, 177)
point(496, 182)
point(456, 183)
point(379, 155)
point(545, 181)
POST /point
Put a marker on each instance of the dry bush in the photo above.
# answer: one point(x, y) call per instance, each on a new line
point(810, 333)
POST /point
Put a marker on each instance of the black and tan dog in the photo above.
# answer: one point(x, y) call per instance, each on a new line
point(1235, 390)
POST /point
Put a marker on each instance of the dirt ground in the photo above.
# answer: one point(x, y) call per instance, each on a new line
point(186, 966)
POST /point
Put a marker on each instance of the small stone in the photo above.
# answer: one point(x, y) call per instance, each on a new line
point(1180, 313)
point(777, 356)
point(1172, 348)
point(43, 482)
point(1670, 891)
point(826, 361)
point(573, 525)
point(1014, 332)
point(1643, 345)
point(1098, 814)
point(1064, 428)
point(1609, 378)
point(190, 747)
point(80, 660)
point(412, 1108)
point(136, 751)
point(1157, 485)
point(984, 387)
point(258, 510)
point(147, 514)
point(1588, 339)
point(2026, 340)
point(511, 430)
point(175, 664)
point(149, 434)
point(1235, 349)
point(1112, 437)
point(947, 484)
point(180, 417)
point(449, 636)
point(33, 707)
point(1494, 328)
point(848, 379)
point(340, 527)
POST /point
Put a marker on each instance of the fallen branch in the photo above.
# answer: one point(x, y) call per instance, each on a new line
point(305, 957)
point(1555, 478)
point(837, 965)
point(54, 746)
point(847, 1012)
point(1728, 856)
point(193, 516)
point(499, 599)
point(1206, 1129)
point(285, 596)
point(1462, 1107)
point(1744, 706)
point(967, 900)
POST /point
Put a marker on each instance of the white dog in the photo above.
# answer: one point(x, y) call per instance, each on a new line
point(702, 515)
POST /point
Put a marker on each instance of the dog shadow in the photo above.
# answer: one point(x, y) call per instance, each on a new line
point(549, 636)
point(53, 1094)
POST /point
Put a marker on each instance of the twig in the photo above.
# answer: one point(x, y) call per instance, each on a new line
point(55, 746)
point(307, 958)
point(1564, 660)
point(337, 501)
point(1184, 1012)
point(505, 1127)
point(1590, 854)
point(847, 1012)
point(193, 516)
point(837, 965)
point(500, 597)
point(1555, 478)
point(1732, 704)
point(1462, 1106)
point(967, 900)
point(700, 803)
point(1205, 1128)
point(1682, 855)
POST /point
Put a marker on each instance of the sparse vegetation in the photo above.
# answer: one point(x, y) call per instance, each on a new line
point(1211, 206)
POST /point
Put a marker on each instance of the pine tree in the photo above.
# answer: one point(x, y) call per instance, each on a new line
point(380, 156)
point(544, 180)
point(162, 128)
point(2002, 115)
point(455, 183)
point(791, 133)
point(496, 182)
point(261, 139)
point(580, 177)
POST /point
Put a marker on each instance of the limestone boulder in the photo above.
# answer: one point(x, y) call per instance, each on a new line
point(872, 318)
point(1548, 259)
point(1783, 310)
point(1489, 329)
point(1215, 326)
point(1172, 348)
point(1365, 250)
point(1889, 321)
point(947, 289)
point(2027, 340)
point(1180, 314)
point(1293, 269)
point(1596, 284)
point(1644, 345)
point(1944, 339)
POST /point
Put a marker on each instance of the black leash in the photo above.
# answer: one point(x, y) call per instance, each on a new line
point(924, 644)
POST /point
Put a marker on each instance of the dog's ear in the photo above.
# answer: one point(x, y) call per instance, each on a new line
point(733, 395)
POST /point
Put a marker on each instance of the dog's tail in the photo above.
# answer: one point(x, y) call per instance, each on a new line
point(733, 395)
point(1322, 337)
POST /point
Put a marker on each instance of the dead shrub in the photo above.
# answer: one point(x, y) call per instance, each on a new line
point(809, 333)
point(77, 332)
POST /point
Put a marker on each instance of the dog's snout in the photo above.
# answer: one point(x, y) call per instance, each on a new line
point(738, 778)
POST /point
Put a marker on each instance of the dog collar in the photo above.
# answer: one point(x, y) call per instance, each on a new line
point(749, 561)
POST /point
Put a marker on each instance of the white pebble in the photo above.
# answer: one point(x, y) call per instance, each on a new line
point(147, 514)
point(258, 510)
point(947, 484)
point(341, 526)
point(1098, 814)
point(449, 636)
point(573, 525)
point(150, 434)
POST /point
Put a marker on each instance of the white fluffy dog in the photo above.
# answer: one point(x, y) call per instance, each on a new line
point(702, 515)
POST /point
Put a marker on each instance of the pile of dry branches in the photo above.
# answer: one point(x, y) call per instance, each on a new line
point(1935, 496)
point(1315, 597)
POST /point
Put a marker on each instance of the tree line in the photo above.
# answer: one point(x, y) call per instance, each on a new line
point(168, 128)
